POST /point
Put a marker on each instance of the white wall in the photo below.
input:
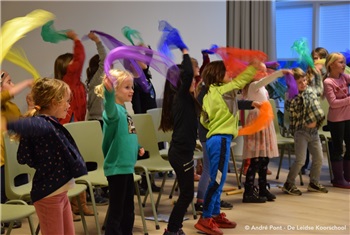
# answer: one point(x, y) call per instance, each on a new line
point(201, 23)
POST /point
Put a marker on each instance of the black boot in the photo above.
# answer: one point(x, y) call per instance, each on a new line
point(263, 191)
point(251, 195)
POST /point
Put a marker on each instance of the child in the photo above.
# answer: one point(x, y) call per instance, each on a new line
point(261, 146)
point(120, 149)
point(94, 74)
point(10, 112)
point(141, 102)
point(315, 75)
point(306, 116)
point(49, 148)
point(337, 92)
point(202, 132)
point(220, 117)
point(68, 67)
point(315, 80)
point(179, 114)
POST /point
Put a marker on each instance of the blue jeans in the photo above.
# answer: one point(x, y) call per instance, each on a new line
point(306, 138)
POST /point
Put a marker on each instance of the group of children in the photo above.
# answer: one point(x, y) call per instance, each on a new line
point(61, 100)
point(306, 117)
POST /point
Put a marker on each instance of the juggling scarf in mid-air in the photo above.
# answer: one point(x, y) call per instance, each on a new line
point(302, 48)
point(292, 86)
point(158, 61)
point(130, 64)
point(262, 121)
point(170, 39)
point(15, 29)
point(18, 57)
point(236, 59)
point(131, 35)
point(50, 34)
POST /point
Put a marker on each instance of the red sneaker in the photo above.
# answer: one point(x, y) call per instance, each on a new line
point(223, 222)
point(208, 226)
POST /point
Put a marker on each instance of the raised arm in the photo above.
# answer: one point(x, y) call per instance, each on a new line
point(75, 68)
point(109, 102)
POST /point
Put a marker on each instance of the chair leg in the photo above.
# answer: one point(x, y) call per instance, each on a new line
point(161, 190)
point(37, 229)
point(280, 163)
point(241, 171)
point(149, 191)
point(145, 197)
point(301, 178)
point(194, 210)
point(91, 191)
point(105, 220)
point(81, 211)
point(9, 229)
point(328, 158)
point(235, 167)
point(31, 225)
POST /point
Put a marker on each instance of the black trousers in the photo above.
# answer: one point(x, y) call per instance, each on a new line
point(121, 215)
point(182, 162)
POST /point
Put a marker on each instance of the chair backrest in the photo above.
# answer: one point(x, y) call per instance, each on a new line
point(88, 137)
point(13, 169)
point(325, 107)
point(146, 133)
point(162, 136)
point(286, 121)
point(275, 119)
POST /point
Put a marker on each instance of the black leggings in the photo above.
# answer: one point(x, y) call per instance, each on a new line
point(182, 162)
point(258, 164)
point(340, 132)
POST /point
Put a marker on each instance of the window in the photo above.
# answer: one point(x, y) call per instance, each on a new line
point(324, 24)
point(334, 27)
point(292, 23)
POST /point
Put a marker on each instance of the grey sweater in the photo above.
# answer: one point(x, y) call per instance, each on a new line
point(95, 104)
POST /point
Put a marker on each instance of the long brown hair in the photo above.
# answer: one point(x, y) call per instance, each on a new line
point(170, 93)
point(61, 64)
